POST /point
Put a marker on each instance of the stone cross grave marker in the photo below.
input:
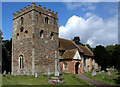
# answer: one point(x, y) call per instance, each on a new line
point(56, 70)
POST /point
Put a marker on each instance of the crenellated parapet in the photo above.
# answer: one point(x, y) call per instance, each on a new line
point(36, 8)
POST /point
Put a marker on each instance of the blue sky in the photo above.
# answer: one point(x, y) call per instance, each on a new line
point(68, 13)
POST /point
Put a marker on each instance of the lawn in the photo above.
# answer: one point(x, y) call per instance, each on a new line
point(70, 79)
point(103, 77)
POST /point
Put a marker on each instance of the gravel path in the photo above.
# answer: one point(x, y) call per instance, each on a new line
point(94, 82)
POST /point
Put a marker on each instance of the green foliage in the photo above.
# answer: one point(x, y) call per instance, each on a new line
point(6, 55)
point(101, 56)
point(77, 40)
point(114, 55)
point(92, 49)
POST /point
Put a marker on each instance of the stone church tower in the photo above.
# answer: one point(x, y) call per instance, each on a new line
point(34, 40)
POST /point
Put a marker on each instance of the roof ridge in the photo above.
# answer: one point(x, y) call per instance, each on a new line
point(64, 39)
point(89, 49)
point(77, 46)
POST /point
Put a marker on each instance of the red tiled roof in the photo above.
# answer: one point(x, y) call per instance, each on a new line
point(67, 45)
point(69, 54)
point(86, 50)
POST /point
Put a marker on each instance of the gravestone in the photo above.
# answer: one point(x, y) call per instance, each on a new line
point(8, 72)
point(4, 72)
point(29, 72)
point(102, 71)
point(36, 75)
point(48, 71)
point(18, 72)
point(94, 72)
point(109, 73)
point(24, 72)
point(87, 68)
point(60, 70)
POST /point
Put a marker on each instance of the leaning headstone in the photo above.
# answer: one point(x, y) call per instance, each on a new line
point(36, 75)
point(18, 72)
point(24, 72)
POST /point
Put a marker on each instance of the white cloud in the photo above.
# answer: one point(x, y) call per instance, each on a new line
point(86, 6)
point(93, 30)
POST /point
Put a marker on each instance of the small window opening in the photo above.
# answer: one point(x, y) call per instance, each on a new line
point(40, 13)
point(26, 31)
point(17, 34)
point(22, 19)
point(52, 36)
point(41, 33)
point(21, 29)
point(37, 17)
point(59, 44)
point(65, 65)
point(46, 20)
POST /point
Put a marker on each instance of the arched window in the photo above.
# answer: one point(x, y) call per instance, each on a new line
point(46, 20)
point(21, 29)
point(41, 33)
point(21, 61)
point(65, 66)
point(51, 36)
point(22, 20)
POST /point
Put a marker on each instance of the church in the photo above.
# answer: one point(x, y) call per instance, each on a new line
point(36, 42)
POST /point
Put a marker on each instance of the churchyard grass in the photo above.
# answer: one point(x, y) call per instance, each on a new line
point(70, 79)
point(103, 77)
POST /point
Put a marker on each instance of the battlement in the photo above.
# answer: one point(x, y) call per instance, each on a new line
point(34, 7)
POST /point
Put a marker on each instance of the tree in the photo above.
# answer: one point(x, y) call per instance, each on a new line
point(92, 49)
point(116, 57)
point(101, 56)
point(77, 40)
point(110, 49)
point(6, 55)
